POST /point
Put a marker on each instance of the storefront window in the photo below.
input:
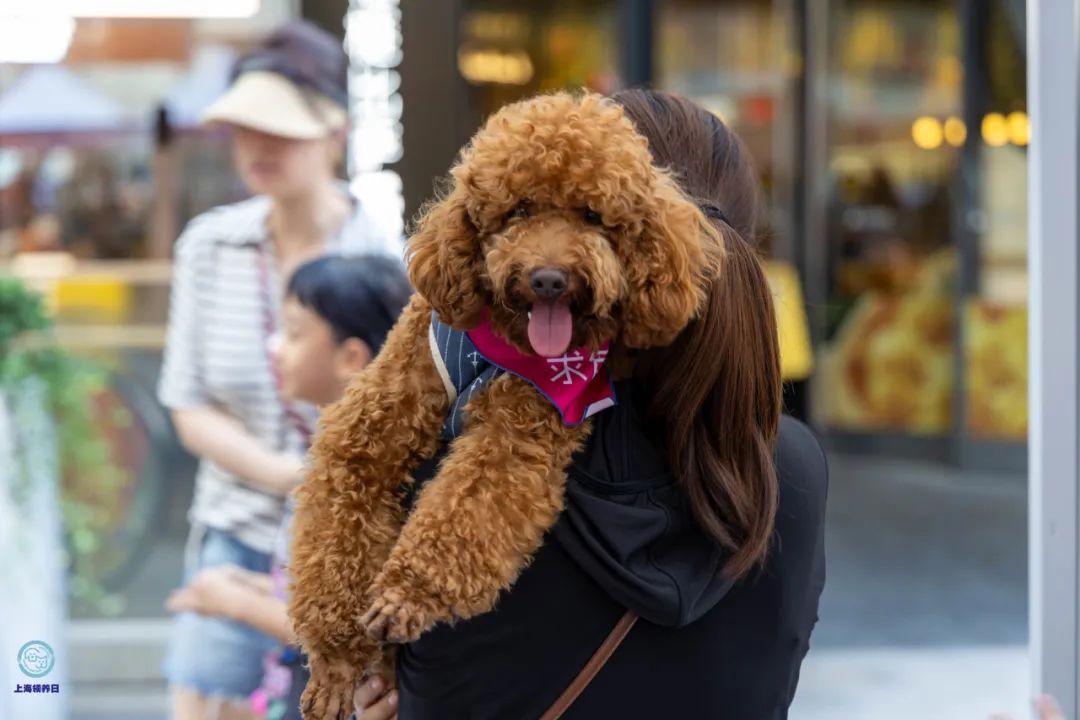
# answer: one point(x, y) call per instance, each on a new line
point(894, 107)
point(510, 51)
point(731, 59)
point(926, 234)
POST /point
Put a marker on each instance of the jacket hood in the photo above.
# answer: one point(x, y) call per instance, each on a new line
point(630, 528)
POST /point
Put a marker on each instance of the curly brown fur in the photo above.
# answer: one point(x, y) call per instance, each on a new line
point(558, 182)
point(476, 525)
point(348, 512)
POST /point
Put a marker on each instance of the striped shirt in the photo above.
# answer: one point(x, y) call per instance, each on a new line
point(216, 351)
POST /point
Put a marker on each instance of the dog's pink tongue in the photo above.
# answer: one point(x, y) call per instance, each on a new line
point(550, 328)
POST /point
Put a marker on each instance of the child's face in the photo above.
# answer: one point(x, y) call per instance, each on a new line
point(313, 365)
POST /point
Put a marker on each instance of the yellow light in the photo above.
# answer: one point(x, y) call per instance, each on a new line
point(927, 133)
point(1019, 129)
point(955, 131)
point(995, 130)
point(495, 66)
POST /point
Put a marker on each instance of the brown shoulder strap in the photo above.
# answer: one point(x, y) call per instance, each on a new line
point(597, 661)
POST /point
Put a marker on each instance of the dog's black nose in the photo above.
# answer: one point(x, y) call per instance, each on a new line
point(548, 283)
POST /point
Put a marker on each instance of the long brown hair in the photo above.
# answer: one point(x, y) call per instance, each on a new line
point(716, 391)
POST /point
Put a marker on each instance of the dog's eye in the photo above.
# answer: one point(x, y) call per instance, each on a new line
point(521, 210)
point(592, 217)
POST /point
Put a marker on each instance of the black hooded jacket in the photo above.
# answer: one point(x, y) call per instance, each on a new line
point(703, 648)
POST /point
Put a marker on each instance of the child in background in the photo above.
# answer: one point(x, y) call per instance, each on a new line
point(337, 313)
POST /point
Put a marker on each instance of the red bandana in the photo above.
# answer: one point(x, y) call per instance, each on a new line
point(576, 383)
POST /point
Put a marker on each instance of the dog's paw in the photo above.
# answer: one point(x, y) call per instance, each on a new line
point(328, 694)
point(396, 618)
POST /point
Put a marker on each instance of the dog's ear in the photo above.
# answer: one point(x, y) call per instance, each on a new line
point(667, 268)
point(444, 260)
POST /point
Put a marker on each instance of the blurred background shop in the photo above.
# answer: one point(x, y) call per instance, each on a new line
point(890, 137)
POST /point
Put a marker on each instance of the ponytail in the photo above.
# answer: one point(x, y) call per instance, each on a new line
point(715, 393)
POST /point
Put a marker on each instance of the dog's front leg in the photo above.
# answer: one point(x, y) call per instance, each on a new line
point(348, 512)
point(478, 522)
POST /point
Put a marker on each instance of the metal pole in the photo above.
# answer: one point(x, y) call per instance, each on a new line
point(1054, 360)
point(966, 221)
point(788, 138)
point(636, 36)
point(816, 250)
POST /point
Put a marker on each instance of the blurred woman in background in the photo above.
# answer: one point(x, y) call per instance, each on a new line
point(286, 108)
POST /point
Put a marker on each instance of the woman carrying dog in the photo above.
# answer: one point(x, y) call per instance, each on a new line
point(286, 107)
point(689, 561)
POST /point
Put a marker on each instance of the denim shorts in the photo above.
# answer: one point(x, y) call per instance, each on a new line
point(213, 656)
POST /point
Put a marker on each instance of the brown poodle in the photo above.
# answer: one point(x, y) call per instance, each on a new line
point(556, 213)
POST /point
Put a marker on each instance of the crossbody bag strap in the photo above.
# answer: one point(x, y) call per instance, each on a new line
point(596, 662)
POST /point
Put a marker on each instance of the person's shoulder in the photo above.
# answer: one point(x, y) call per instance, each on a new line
point(239, 222)
point(801, 466)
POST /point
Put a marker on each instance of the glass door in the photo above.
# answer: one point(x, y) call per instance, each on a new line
point(924, 208)
point(893, 133)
